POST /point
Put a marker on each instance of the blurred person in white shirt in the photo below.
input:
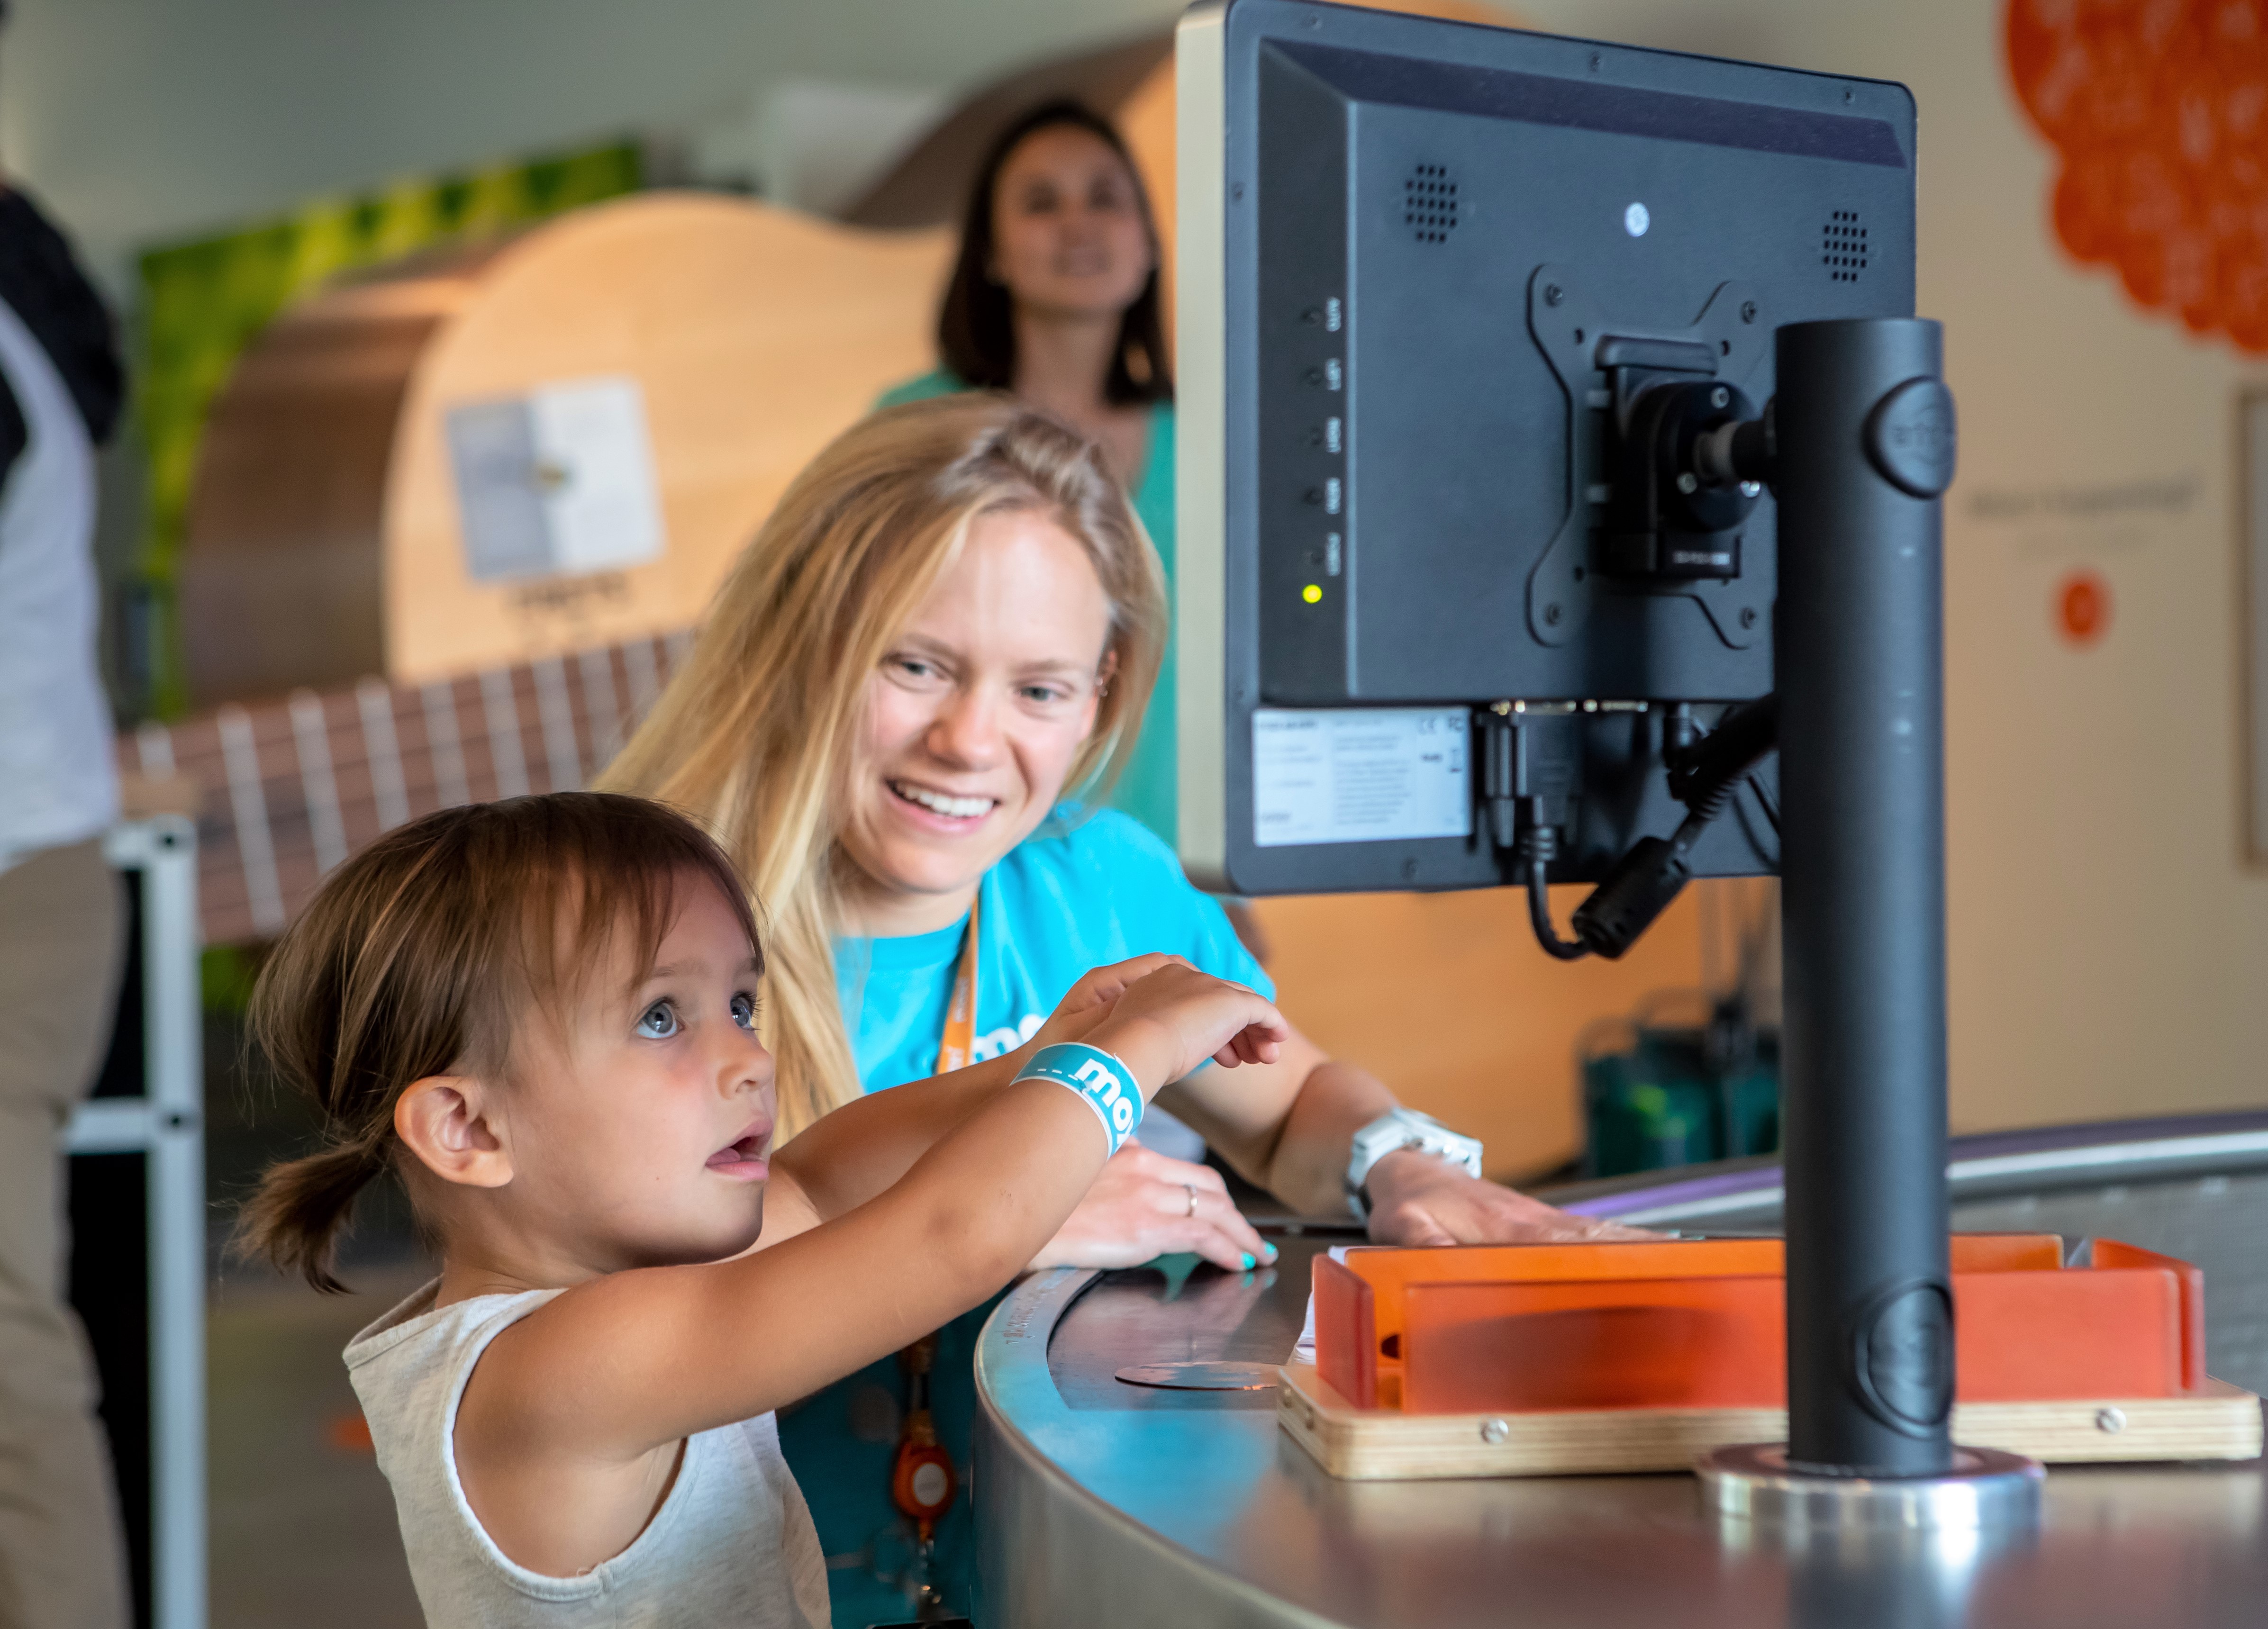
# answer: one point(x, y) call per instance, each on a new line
point(62, 919)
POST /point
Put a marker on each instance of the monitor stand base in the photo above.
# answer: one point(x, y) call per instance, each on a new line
point(1985, 1488)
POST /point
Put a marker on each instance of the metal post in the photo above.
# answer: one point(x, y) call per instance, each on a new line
point(1864, 447)
point(165, 1126)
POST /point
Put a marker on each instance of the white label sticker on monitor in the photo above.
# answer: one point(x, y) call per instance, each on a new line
point(1362, 775)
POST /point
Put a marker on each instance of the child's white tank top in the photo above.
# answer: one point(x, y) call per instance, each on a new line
point(732, 1543)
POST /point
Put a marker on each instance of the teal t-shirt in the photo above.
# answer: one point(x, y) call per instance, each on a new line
point(1098, 889)
point(1090, 889)
point(1148, 784)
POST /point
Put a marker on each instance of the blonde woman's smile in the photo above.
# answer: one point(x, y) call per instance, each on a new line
point(949, 812)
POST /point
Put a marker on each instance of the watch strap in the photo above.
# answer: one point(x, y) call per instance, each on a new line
point(1397, 1129)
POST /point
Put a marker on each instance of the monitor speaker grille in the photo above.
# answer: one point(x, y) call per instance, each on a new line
point(1843, 246)
point(1429, 203)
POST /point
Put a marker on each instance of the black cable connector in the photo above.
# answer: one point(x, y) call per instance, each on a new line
point(1538, 845)
point(1703, 776)
point(1518, 826)
point(1639, 889)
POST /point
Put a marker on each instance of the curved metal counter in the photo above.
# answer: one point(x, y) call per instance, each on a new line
point(1100, 1502)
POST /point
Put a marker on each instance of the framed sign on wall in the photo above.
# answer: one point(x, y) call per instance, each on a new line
point(2252, 445)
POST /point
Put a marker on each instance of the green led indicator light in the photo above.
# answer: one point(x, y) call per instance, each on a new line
point(1312, 594)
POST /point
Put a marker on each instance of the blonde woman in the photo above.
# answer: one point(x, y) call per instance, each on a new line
point(907, 695)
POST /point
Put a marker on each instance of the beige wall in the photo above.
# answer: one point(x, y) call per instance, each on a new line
point(1447, 997)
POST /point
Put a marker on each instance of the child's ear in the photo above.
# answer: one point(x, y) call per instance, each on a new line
point(448, 1122)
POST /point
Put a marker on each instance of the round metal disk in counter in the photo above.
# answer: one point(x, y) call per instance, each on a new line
point(1100, 1502)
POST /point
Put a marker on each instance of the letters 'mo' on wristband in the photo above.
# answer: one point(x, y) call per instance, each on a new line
point(1105, 1082)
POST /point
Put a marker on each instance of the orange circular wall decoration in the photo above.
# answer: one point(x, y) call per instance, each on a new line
point(2159, 111)
point(2082, 607)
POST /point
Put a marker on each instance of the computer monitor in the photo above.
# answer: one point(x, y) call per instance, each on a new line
point(1454, 306)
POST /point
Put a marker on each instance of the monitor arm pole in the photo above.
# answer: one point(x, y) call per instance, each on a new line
point(1859, 446)
point(1864, 447)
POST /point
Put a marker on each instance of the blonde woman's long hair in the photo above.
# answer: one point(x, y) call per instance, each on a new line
point(756, 735)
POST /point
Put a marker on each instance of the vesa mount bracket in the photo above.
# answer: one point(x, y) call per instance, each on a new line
point(1638, 400)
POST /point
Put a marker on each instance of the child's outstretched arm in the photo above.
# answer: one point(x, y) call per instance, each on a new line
point(846, 1158)
point(569, 1430)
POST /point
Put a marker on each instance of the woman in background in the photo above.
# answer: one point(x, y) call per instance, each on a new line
point(1055, 298)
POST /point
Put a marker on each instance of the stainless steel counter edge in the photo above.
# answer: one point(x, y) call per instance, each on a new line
point(1049, 1547)
point(1753, 1188)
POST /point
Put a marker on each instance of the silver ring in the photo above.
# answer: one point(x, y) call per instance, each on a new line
point(1190, 1189)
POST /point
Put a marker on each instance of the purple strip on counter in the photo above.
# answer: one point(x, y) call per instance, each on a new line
point(1621, 1195)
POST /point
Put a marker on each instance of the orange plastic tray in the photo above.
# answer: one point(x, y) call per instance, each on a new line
point(1700, 1324)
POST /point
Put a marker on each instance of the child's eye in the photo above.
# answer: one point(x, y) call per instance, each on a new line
point(744, 1010)
point(658, 1022)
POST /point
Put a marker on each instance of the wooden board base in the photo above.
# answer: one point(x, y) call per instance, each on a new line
point(1383, 1445)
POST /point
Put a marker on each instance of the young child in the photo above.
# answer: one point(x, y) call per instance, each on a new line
point(540, 1015)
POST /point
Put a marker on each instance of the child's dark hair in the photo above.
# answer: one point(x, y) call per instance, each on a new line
point(420, 956)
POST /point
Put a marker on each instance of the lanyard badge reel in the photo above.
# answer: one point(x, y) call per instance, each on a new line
point(922, 1480)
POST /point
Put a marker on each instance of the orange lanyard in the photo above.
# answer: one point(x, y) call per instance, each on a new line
point(955, 1050)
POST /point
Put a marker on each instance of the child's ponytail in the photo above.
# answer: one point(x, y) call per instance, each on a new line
point(295, 1217)
point(367, 992)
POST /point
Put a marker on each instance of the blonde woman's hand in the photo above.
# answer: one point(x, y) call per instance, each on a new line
point(1415, 1199)
point(1145, 1204)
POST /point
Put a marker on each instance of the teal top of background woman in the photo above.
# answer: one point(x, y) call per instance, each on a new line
point(1148, 784)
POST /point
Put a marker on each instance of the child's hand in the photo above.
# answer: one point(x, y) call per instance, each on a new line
point(1090, 1000)
point(1169, 1020)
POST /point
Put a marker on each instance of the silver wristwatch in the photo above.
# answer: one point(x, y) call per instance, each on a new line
point(1398, 1128)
